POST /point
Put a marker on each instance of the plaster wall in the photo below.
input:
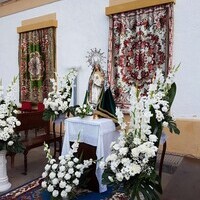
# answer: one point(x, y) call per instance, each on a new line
point(82, 25)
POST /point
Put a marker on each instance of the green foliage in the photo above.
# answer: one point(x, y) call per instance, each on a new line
point(49, 114)
point(171, 94)
point(172, 125)
point(17, 148)
point(72, 110)
point(144, 184)
point(168, 118)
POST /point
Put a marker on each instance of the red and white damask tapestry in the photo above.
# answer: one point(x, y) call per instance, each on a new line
point(140, 41)
point(36, 64)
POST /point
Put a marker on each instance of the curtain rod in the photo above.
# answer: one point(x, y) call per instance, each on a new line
point(133, 5)
point(39, 25)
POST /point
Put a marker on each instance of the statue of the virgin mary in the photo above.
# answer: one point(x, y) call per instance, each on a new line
point(97, 77)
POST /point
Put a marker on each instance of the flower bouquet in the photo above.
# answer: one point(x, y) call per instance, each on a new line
point(84, 110)
point(63, 178)
point(9, 139)
point(131, 165)
point(58, 101)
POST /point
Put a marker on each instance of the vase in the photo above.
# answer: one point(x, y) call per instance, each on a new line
point(88, 118)
point(4, 183)
point(60, 118)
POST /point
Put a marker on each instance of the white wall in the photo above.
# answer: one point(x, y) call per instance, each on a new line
point(187, 52)
point(82, 25)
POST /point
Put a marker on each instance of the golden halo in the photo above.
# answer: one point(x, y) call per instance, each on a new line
point(95, 57)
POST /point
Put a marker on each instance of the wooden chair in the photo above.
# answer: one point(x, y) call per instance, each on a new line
point(26, 106)
point(33, 120)
point(163, 142)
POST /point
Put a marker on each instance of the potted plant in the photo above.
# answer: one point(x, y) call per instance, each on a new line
point(58, 102)
point(84, 111)
point(9, 139)
point(130, 167)
point(62, 177)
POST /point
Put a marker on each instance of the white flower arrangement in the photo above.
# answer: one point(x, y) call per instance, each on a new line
point(58, 100)
point(63, 178)
point(131, 163)
point(9, 139)
point(84, 110)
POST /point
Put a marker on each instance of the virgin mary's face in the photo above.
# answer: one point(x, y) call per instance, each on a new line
point(95, 59)
point(96, 67)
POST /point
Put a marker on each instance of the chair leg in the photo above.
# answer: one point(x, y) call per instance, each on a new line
point(60, 146)
point(162, 159)
point(36, 131)
point(25, 162)
point(54, 142)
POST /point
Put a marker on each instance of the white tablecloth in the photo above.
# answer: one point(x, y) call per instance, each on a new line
point(97, 132)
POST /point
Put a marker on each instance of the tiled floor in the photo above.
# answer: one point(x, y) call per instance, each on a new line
point(172, 163)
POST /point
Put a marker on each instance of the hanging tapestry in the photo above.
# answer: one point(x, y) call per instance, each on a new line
point(36, 63)
point(140, 41)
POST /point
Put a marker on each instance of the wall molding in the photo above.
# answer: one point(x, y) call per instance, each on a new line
point(15, 6)
point(38, 23)
point(133, 5)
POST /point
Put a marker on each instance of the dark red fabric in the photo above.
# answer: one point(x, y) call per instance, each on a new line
point(26, 106)
point(40, 107)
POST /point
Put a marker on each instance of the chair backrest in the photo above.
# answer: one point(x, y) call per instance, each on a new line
point(40, 106)
point(26, 106)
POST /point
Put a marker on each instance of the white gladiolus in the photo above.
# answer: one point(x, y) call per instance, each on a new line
point(54, 166)
point(55, 193)
point(44, 174)
point(62, 184)
point(52, 175)
point(75, 160)
point(70, 163)
point(123, 151)
point(110, 178)
point(119, 176)
point(78, 174)
point(84, 110)
point(55, 181)
point(52, 161)
point(153, 138)
point(63, 177)
point(50, 188)
point(60, 174)
point(44, 184)
point(62, 168)
point(101, 164)
point(165, 124)
point(8, 121)
point(47, 167)
point(58, 100)
point(63, 194)
point(68, 188)
point(67, 176)
point(18, 123)
point(10, 143)
point(131, 153)
point(76, 181)
point(70, 170)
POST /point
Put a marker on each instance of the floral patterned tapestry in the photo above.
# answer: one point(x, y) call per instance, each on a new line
point(140, 41)
point(36, 63)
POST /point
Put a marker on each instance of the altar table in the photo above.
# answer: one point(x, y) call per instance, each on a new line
point(96, 132)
